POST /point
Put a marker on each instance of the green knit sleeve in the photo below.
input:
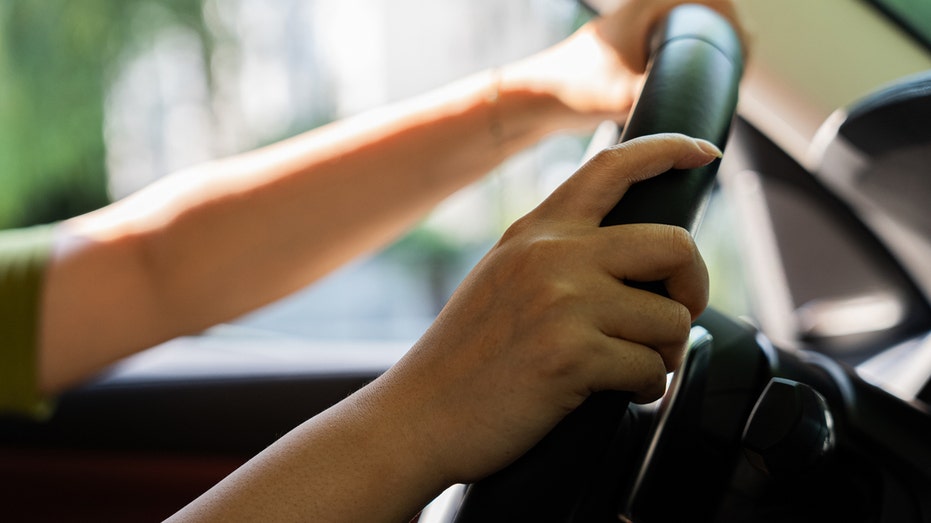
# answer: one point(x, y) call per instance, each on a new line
point(23, 255)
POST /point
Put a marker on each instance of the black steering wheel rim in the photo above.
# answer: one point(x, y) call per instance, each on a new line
point(691, 88)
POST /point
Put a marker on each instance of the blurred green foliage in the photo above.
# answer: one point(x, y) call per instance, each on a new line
point(55, 59)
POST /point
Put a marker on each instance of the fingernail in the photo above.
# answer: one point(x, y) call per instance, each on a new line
point(709, 148)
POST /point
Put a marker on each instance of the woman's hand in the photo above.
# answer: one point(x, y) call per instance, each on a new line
point(542, 321)
point(595, 73)
point(545, 319)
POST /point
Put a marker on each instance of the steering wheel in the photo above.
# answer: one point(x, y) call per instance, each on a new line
point(691, 88)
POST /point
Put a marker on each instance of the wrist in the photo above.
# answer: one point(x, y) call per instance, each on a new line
point(400, 442)
point(576, 84)
point(522, 109)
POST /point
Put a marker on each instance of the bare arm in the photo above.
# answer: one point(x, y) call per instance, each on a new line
point(508, 357)
point(523, 341)
point(215, 241)
point(220, 239)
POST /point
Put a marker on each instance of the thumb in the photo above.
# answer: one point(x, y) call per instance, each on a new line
point(599, 184)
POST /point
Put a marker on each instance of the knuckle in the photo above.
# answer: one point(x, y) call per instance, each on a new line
point(658, 380)
point(517, 230)
point(561, 357)
point(546, 253)
point(680, 323)
point(679, 239)
point(673, 349)
point(680, 244)
point(530, 256)
point(652, 384)
point(611, 159)
point(555, 306)
point(609, 155)
point(553, 294)
point(533, 242)
point(651, 393)
point(674, 357)
point(542, 247)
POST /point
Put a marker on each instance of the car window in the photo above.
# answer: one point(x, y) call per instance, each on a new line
point(101, 98)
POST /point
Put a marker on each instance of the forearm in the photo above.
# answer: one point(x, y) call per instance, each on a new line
point(217, 240)
point(369, 458)
point(305, 206)
point(477, 391)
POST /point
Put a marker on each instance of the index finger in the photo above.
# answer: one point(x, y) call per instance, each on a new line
point(598, 185)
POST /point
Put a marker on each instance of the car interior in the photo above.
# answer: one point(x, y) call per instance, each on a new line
point(805, 394)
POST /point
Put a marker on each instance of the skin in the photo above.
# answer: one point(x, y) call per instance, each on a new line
point(522, 342)
point(541, 322)
point(220, 239)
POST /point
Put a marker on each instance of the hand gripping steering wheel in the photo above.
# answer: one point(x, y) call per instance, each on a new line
point(691, 88)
